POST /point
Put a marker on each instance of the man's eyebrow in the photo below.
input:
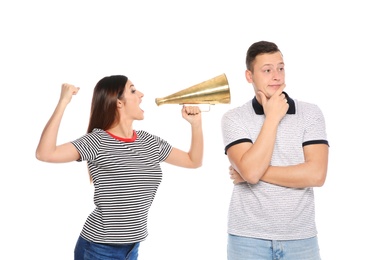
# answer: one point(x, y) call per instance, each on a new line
point(269, 64)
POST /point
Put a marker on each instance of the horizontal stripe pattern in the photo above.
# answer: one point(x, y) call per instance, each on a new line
point(126, 176)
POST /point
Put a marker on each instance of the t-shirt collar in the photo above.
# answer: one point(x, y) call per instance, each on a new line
point(122, 139)
point(258, 108)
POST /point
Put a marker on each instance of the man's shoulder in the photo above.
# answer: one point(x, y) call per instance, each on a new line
point(240, 108)
point(305, 104)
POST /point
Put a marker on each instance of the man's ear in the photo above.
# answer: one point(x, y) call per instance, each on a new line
point(248, 75)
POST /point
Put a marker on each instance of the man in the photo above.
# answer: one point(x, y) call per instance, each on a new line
point(278, 150)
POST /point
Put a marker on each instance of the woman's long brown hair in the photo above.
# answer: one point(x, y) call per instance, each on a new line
point(104, 112)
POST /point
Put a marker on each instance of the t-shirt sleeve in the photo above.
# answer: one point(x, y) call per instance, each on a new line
point(164, 148)
point(233, 130)
point(87, 146)
point(315, 128)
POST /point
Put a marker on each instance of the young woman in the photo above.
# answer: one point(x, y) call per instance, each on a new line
point(124, 165)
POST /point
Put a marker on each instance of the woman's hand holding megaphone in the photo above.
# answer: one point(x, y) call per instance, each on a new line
point(192, 114)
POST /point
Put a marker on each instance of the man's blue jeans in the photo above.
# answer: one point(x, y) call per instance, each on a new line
point(241, 248)
point(86, 250)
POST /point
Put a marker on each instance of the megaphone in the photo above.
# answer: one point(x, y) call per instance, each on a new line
point(212, 91)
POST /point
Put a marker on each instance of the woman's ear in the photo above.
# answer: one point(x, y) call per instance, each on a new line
point(248, 75)
point(119, 103)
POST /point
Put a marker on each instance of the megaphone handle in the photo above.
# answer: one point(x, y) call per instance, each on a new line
point(206, 110)
point(199, 106)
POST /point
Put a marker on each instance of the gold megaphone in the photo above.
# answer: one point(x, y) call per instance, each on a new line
point(212, 91)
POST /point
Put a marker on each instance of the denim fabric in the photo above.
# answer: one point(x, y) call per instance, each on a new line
point(245, 248)
point(86, 250)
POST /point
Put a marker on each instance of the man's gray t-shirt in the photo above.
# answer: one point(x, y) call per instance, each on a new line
point(265, 210)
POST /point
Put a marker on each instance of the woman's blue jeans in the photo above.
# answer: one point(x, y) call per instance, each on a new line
point(86, 250)
point(241, 248)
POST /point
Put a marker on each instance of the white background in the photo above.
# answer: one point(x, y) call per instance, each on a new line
point(163, 47)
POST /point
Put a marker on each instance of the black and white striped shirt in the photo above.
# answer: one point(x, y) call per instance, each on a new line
point(126, 176)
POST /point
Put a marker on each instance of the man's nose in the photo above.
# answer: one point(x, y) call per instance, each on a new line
point(277, 75)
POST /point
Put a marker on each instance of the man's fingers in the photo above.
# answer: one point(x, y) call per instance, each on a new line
point(280, 90)
point(262, 97)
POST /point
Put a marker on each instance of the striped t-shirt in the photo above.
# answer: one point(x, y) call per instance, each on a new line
point(264, 210)
point(126, 176)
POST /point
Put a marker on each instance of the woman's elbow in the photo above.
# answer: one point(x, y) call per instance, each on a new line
point(41, 157)
point(196, 165)
point(44, 156)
